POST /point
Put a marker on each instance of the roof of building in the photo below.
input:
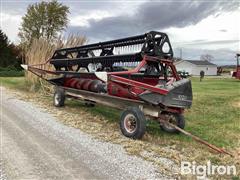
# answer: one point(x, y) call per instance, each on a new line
point(198, 62)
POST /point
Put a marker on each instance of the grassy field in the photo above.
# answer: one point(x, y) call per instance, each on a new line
point(214, 116)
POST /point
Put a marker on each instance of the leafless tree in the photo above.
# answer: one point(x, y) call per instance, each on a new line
point(206, 57)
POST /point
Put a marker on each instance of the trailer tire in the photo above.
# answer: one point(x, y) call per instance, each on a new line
point(59, 97)
point(133, 123)
point(179, 121)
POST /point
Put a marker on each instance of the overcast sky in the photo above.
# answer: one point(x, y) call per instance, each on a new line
point(196, 27)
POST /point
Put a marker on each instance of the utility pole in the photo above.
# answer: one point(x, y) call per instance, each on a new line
point(180, 53)
point(237, 56)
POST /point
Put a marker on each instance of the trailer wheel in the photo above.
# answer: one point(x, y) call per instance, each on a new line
point(59, 97)
point(174, 118)
point(133, 123)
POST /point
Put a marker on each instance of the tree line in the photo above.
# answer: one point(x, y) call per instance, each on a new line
point(10, 56)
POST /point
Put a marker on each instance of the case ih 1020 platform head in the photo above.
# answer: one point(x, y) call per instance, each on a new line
point(135, 74)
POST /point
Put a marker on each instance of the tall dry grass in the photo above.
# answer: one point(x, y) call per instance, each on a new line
point(42, 50)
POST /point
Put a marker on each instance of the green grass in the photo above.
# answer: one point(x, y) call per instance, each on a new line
point(214, 116)
point(10, 72)
point(19, 83)
point(14, 82)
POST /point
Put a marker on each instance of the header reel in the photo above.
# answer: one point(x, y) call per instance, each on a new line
point(107, 53)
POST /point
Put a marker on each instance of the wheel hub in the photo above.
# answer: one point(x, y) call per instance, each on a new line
point(130, 123)
point(171, 119)
point(57, 99)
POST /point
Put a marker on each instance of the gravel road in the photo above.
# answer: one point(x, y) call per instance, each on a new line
point(34, 145)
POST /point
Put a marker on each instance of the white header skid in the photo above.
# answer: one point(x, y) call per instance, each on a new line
point(24, 66)
point(102, 76)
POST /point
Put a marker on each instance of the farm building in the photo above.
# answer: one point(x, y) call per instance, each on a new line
point(193, 67)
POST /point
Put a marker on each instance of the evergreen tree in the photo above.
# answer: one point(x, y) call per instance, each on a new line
point(9, 53)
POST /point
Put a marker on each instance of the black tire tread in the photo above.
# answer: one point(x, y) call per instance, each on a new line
point(61, 93)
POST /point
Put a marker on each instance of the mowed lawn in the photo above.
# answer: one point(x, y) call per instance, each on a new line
point(214, 116)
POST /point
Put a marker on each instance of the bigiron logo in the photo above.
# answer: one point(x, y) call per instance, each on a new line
point(202, 171)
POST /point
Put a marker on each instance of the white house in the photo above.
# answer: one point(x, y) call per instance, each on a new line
point(194, 67)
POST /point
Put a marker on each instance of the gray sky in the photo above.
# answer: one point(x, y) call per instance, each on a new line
point(197, 27)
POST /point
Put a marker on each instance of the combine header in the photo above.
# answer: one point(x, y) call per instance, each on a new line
point(135, 74)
